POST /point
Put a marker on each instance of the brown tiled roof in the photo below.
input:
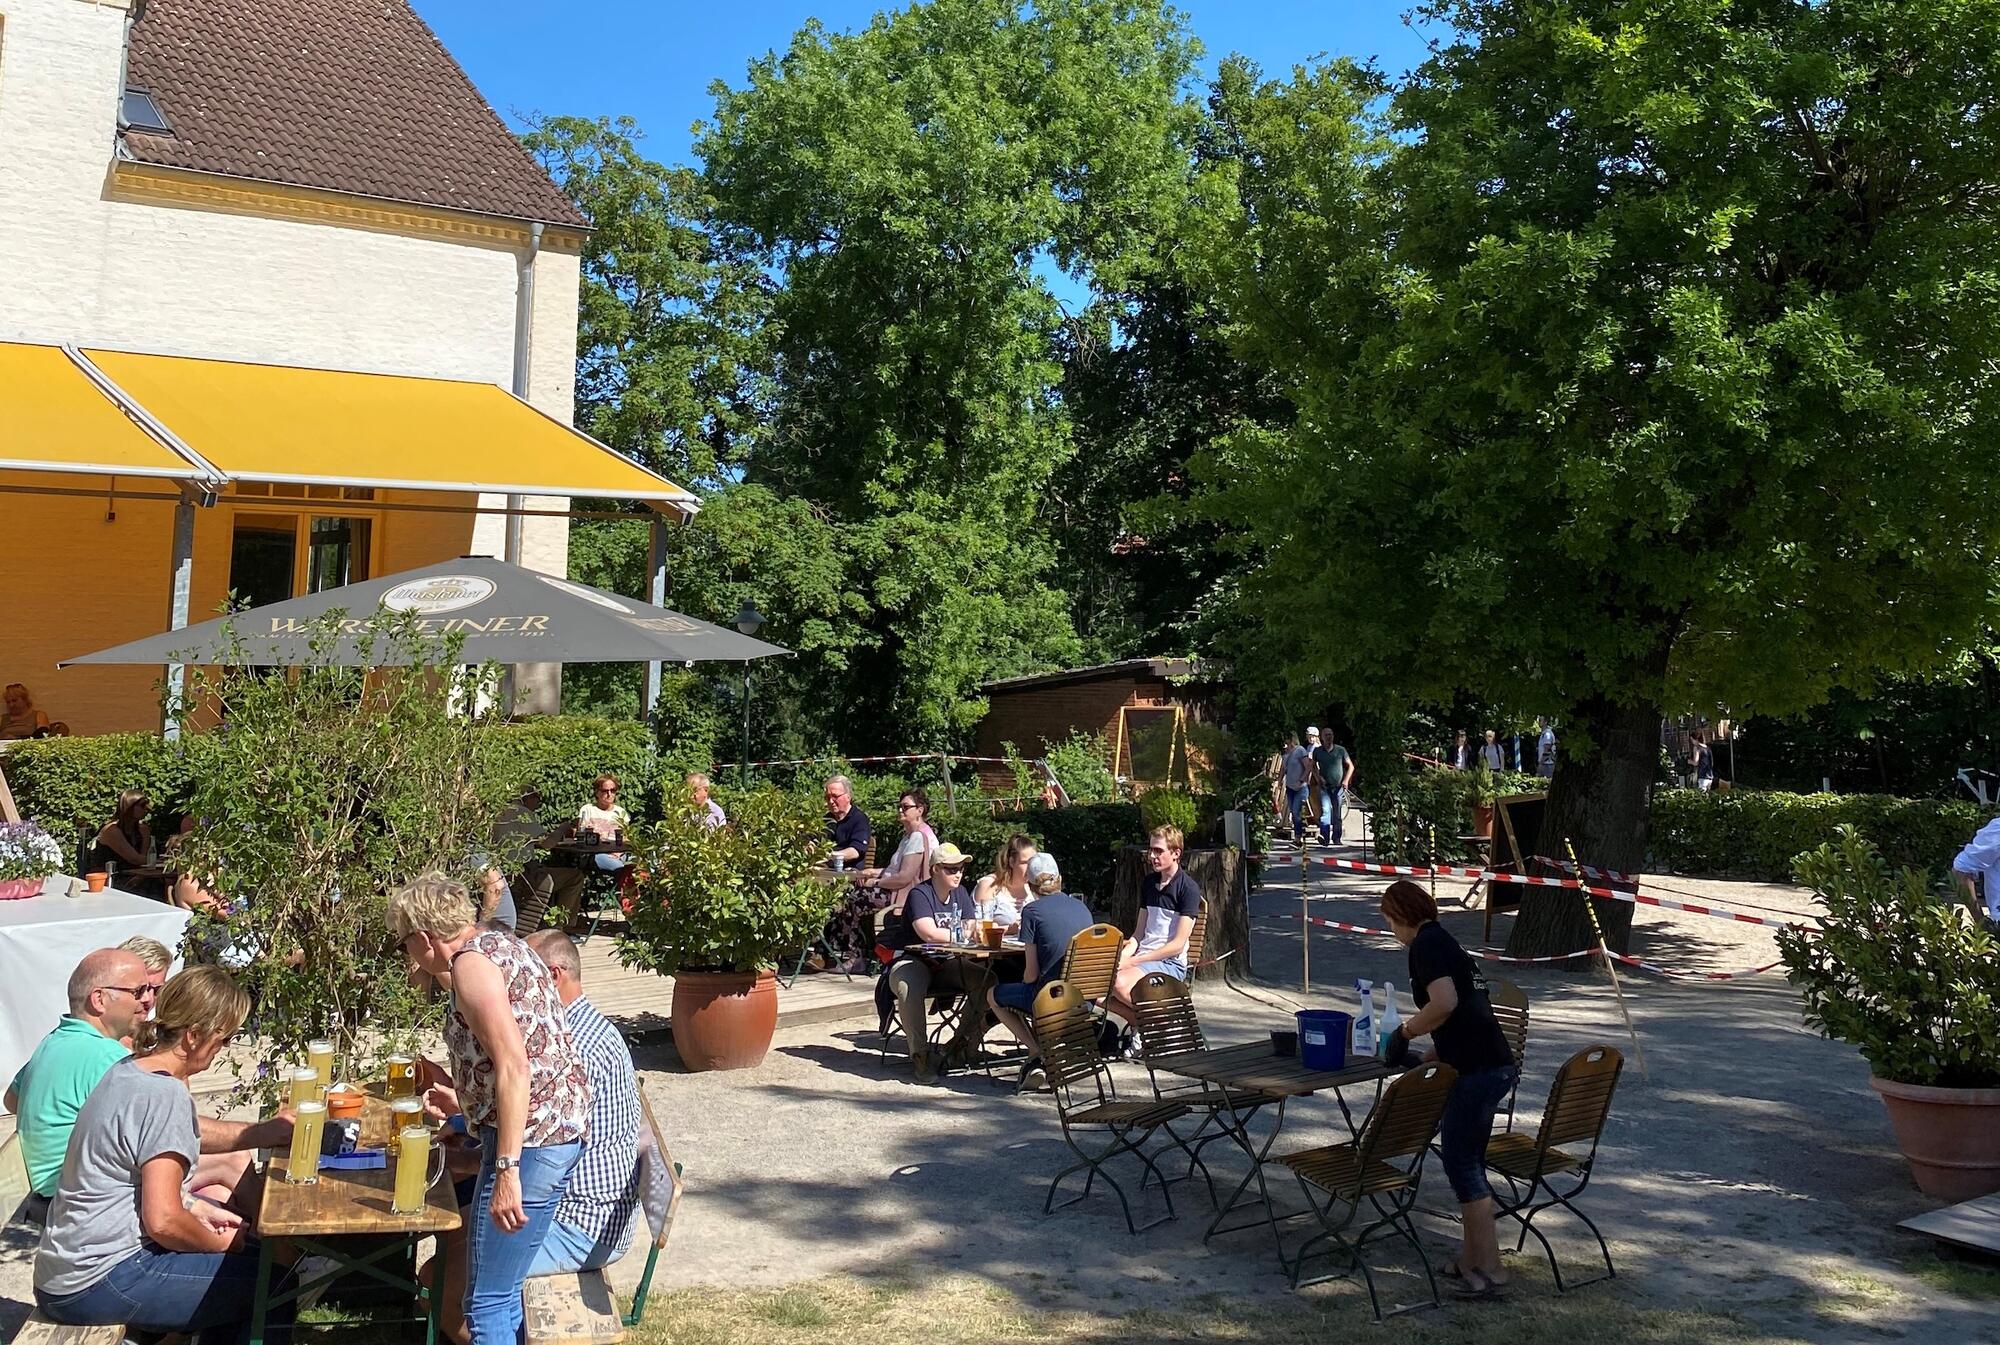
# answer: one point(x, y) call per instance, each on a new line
point(344, 95)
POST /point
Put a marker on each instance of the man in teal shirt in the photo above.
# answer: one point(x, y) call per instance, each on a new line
point(109, 996)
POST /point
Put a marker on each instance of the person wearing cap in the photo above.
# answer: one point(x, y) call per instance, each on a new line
point(1048, 923)
point(912, 978)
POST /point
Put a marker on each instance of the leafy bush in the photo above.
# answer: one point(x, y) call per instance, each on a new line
point(561, 754)
point(731, 898)
point(71, 785)
point(1412, 807)
point(1912, 981)
point(1758, 834)
point(1168, 807)
point(1082, 765)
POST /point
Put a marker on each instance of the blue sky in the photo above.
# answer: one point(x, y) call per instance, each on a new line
point(654, 59)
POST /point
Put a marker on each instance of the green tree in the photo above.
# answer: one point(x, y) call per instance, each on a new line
point(1644, 355)
point(904, 184)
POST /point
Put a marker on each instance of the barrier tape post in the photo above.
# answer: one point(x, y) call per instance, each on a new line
point(1434, 864)
point(1611, 968)
point(1305, 929)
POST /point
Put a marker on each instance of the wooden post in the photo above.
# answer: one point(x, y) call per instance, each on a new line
point(656, 593)
point(1305, 921)
point(1611, 967)
point(8, 812)
point(950, 796)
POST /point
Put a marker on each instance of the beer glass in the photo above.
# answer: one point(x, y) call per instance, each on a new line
point(402, 1080)
point(413, 1160)
point(301, 1085)
point(319, 1054)
point(302, 1163)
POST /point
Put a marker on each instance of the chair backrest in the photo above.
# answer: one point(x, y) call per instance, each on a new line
point(1092, 960)
point(1167, 1022)
point(1406, 1119)
point(1510, 1007)
point(868, 854)
point(1066, 1035)
point(14, 1186)
point(659, 1176)
point(1581, 1098)
point(531, 902)
point(1197, 938)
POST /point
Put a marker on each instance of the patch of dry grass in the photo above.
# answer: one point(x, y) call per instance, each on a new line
point(965, 1311)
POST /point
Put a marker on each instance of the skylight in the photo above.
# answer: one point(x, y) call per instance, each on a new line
point(140, 113)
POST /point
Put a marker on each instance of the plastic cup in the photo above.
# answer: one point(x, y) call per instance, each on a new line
point(302, 1163)
point(413, 1160)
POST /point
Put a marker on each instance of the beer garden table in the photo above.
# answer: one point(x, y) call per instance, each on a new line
point(1251, 1077)
point(347, 1203)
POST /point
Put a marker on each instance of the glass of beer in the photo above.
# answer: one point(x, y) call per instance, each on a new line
point(301, 1085)
point(319, 1054)
point(413, 1160)
point(302, 1163)
point(402, 1081)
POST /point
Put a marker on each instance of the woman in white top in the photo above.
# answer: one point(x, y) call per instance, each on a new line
point(1006, 889)
point(605, 818)
point(911, 863)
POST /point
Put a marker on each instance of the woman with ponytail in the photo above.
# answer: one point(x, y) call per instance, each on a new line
point(121, 1247)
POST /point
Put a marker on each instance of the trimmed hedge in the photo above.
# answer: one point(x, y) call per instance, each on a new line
point(1757, 834)
point(562, 754)
point(71, 785)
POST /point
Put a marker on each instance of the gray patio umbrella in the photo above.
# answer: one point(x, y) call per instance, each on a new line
point(507, 614)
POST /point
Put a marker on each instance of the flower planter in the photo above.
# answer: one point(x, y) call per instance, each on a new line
point(16, 889)
point(1950, 1136)
point(1482, 820)
point(724, 1019)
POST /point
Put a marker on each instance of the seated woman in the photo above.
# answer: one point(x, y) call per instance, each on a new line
point(851, 931)
point(120, 1246)
point(127, 842)
point(1000, 895)
point(22, 719)
point(606, 819)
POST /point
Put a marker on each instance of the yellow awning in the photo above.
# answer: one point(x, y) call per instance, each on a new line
point(266, 422)
point(54, 419)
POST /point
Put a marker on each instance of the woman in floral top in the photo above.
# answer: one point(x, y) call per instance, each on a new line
point(519, 1081)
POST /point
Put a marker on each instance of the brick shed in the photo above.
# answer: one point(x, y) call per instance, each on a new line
point(1137, 704)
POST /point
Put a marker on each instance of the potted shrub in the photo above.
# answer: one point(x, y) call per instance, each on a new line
point(717, 907)
point(29, 856)
point(1483, 794)
point(1914, 982)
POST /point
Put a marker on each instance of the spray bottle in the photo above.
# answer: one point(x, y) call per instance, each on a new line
point(1391, 1019)
point(1362, 1044)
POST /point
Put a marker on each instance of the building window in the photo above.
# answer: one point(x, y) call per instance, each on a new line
point(292, 490)
point(336, 553)
point(138, 112)
point(263, 553)
point(273, 557)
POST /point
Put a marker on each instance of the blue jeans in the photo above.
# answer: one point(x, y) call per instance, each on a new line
point(155, 1290)
point(1329, 814)
point(1295, 811)
point(608, 863)
point(568, 1249)
point(1467, 1126)
point(497, 1262)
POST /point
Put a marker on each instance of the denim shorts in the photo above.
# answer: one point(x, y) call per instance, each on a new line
point(1017, 995)
point(1467, 1126)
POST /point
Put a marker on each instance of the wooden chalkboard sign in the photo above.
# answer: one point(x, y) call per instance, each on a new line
point(1517, 819)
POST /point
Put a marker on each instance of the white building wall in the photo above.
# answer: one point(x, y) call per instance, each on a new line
point(79, 265)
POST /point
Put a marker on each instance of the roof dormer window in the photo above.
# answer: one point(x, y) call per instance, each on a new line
point(139, 112)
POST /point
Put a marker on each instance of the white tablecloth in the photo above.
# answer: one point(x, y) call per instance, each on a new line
point(41, 941)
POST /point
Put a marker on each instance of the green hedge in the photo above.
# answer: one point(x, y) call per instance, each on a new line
point(562, 754)
point(1757, 834)
point(71, 785)
point(1413, 806)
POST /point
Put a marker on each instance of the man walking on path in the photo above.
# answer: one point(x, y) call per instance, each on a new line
point(1335, 769)
point(1298, 771)
point(1489, 751)
point(1545, 748)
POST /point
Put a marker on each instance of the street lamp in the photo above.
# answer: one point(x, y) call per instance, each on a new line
point(748, 620)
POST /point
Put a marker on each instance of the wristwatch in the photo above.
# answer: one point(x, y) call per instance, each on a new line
point(505, 1164)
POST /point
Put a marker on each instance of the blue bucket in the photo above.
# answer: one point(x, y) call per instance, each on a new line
point(1323, 1036)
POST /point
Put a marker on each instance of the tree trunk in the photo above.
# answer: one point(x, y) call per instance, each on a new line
point(1598, 804)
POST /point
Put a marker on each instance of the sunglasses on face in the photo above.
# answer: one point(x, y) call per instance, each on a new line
point(136, 991)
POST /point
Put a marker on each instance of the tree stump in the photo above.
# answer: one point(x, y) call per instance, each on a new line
point(1222, 877)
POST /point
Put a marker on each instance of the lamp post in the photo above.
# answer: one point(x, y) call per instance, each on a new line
point(748, 620)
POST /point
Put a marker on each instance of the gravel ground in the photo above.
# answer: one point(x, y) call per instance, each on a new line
point(1749, 1169)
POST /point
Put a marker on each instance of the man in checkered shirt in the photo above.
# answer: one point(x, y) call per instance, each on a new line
point(593, 1223)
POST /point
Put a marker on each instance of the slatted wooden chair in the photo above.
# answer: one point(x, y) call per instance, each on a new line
point(1382, 1167)
point(1087, 1101)
point(580, 1309)
point(1197, 942)
point(1169, 1027)
point(1510, 1007)
point(1090, 964)
point(531, 902)
point(1579, 1102)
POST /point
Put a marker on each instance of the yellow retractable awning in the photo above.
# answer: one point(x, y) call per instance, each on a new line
point(53, 418)
point(265, 422)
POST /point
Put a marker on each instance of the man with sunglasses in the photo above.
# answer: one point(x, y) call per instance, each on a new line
point(110, 994)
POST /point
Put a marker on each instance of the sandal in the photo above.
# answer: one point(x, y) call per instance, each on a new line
point(1477, 1288)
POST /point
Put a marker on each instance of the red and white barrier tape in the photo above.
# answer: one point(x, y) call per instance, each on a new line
point(1562, 957)
point(1665, 903)
point(1589, 870)
point(870, 761)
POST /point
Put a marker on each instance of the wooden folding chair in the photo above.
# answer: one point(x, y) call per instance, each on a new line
point(1382, 1166)
point(1091, 964)
point(1510, 1007)
point(1169, 1027)
point(531, 902)
point(1197, 939)
point(1087, 1101)
point(1579, 1102)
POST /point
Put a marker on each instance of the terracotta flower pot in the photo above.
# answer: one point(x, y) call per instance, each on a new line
point(1950, 1136)
point(724, 1019)
point(1482, 819)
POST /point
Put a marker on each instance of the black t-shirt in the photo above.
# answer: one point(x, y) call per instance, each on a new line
point(925, 903)
point(1049, 924)
point(1470, 1040)
point(851, 832)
